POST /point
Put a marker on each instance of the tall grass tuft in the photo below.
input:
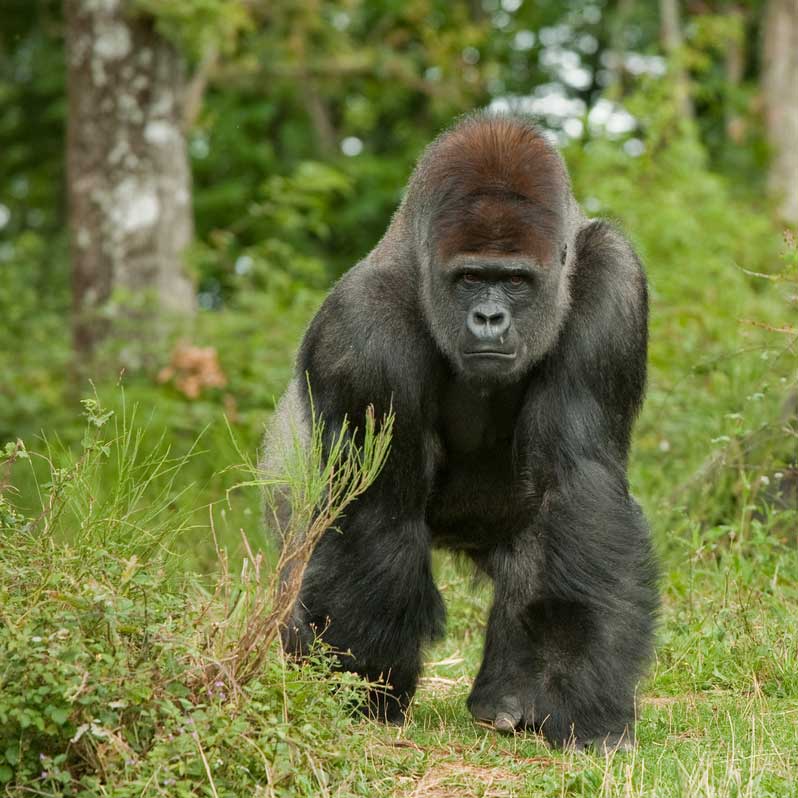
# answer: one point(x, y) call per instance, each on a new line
point(318, 487)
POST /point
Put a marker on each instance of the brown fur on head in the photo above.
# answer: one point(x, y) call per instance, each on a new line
point(491, 184)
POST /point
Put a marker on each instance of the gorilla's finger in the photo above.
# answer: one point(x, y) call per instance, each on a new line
point(506, 722)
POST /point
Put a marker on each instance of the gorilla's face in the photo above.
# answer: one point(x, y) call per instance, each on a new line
point(495, 316)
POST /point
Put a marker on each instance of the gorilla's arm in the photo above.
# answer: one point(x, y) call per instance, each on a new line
point(570, 628)
point(369, 584)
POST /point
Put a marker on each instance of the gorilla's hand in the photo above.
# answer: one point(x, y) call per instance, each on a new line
point(509, 712)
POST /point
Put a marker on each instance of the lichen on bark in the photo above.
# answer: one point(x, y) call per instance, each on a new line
point(129, 182)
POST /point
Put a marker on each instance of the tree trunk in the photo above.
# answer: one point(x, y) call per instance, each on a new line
point(780, 92)
point(619, 26)
point(735, 70)
point(129, 184)
point(673, 44)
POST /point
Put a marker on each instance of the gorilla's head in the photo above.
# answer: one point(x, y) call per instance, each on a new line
point(494, 316)
point(489, 207)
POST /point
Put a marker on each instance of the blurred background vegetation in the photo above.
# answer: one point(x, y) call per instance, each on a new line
point(180, 183)
point(181, 180)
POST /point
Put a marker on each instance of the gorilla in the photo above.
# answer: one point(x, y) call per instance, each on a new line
point(508, 334)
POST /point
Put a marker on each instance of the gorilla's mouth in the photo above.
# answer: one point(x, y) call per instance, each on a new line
point(490, 354)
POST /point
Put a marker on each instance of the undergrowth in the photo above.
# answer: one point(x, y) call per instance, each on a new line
point(120, 673)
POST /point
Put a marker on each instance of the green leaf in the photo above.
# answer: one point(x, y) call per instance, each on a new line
point(60, 715)
point(12, 754)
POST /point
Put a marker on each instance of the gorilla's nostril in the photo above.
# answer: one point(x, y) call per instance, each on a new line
point(488, 321)
point(489, 317)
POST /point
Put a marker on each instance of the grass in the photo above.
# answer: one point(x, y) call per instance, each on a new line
point(108, 646)
point(718, 716)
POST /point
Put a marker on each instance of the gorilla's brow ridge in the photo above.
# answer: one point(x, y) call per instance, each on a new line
point(500, 192)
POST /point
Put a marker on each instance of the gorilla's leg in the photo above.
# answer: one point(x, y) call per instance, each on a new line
point(570, 629)
point(368, 593)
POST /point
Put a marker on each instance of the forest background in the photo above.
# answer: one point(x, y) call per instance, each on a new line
point(180, 183)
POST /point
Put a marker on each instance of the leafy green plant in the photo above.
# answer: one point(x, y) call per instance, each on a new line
point(119, 671)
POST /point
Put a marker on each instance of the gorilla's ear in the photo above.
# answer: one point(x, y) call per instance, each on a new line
point(563, 253)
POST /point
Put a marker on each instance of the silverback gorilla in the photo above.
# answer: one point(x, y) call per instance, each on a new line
point(508, 333)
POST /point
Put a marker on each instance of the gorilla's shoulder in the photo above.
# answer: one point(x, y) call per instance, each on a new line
point(369, 329)
point(373, 301)
point(608, 302)
point(606, 273)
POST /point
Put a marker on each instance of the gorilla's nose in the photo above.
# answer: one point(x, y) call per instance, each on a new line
point(488, 321)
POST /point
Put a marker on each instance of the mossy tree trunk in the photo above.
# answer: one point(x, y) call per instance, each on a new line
point(780, 92)
point(129, 183)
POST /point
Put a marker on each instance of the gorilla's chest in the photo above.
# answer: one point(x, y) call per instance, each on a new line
point(475, 495)
point(470, 422)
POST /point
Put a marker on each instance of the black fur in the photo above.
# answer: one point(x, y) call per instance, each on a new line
point(521, 466)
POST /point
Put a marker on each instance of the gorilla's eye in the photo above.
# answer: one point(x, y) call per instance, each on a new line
point(470, 278)
point(516, 280)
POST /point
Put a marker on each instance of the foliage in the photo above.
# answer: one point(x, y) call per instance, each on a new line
point(33, 104)
point(97, 694)
point(317, 483)
point(118, 670)
point(699, 243)
point(274, 245)
point(198, 27)
point(33, 309)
